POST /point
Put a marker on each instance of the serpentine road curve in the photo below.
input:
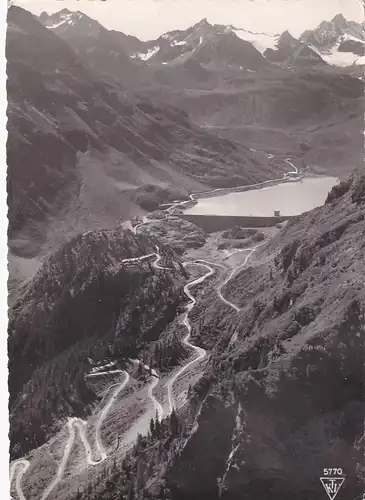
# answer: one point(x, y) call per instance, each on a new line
point(74, 424)
point(155, 380)
point(23, 465)
point(201, 353)
point(19, 467)
point(233, 273)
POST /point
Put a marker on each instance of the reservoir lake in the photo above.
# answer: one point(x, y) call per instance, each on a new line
point(291, 198)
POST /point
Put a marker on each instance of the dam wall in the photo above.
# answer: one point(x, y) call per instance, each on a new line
point(213, 223)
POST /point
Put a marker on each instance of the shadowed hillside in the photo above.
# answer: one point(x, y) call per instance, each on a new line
point(79, 146)
point(283, 392)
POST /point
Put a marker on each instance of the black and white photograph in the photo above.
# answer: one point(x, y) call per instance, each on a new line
point(186, 250)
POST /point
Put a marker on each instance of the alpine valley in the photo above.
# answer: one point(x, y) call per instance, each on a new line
point(158, 354)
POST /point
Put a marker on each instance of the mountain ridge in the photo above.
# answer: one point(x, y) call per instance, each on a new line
point(89, 145)
point(178, 43)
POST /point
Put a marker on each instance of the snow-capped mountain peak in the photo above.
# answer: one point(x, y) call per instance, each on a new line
point(66, 20)
point(64, 16)
point(339, 41)
point(210, 45)
point(103, 49)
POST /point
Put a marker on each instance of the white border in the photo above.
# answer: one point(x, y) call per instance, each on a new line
point(4, 422)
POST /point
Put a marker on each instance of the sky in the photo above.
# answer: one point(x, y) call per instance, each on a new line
point(148, 19)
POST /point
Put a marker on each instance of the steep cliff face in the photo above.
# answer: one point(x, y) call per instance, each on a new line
point(192, 478)
point(289, 365)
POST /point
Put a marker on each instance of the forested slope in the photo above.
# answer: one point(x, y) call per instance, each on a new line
point(84, 303)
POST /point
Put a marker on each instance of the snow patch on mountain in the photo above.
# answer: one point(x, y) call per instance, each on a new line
point(342, 59)
point(64, 17)
point(56, 25)
point(261, 41)
point(145, 56)
point(348, 36)
point(182, 42)
point(336, 57)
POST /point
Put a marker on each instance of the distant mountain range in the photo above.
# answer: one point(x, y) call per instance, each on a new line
point(337, 42)
point(108, 125)
point(84, 153)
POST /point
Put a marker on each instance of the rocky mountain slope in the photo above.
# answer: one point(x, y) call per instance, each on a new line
point(339, 42)
point(104, 50)
point(290, 364)
point(274, 91)
point(283, 393)
point(214, 46)
point(282, 110)
point(79, 146)
point(199, 55)
point(84, 303)
point(282, 396)
point(291, 52)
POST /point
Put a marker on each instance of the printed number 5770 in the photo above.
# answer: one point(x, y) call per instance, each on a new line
point(332, 472)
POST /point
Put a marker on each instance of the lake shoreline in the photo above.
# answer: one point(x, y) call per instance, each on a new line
point(287, 202)
point(195, 197)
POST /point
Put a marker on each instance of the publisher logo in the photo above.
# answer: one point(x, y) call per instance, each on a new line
point(332, 481)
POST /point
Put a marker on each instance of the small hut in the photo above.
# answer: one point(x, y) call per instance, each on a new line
point(277, 213)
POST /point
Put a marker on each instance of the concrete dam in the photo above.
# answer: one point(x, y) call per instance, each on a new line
point(213, 223)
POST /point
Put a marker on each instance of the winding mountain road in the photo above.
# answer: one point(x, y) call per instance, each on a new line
point(155, 264)
point(23, 465)
point(109, 372)
point(158, 407)
point(73, 424)
point(295, 171)
point(104, 413)
point(201, 353)
point(155, 380)
point(20, 467)
point(233, 273)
